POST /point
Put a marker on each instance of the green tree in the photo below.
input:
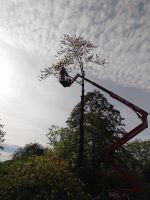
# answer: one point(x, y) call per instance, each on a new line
point(2, 134)
point(53, 135)
point(32, 149)
point(140, 150)
point(40, 178)
point(139, 159)
point(103, 125)
point(75, 53)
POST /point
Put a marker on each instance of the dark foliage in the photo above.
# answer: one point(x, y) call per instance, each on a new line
point(39, 178)
point(32, 149)
point(42, 174)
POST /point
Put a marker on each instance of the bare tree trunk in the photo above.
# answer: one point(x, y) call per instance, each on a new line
point(81, 138)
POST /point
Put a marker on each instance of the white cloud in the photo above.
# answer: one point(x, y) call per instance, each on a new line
point(6, 154)
point(120, 28)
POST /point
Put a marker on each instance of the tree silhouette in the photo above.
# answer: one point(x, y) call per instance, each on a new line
point(32, 149)
point(2, 133)
point(103, 125)
point(74, 53)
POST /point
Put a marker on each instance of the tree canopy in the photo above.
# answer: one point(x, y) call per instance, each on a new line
point(32, 149)
point(40, 178)
point(140, 150)
point(74, 52)
point(103, 124)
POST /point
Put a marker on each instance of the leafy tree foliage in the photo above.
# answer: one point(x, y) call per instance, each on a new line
point(74, 52)
point(103, 125)
point(53, 135)
point(140, 150)
point(31, 149)
point(2, 134)
point(39, 178)
point(139, 158)
point(53, 174)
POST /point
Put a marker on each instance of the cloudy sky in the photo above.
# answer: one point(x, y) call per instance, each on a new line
point(30, 31)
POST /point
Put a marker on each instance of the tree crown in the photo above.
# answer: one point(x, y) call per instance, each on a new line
point(32, 149)
point(74, 52)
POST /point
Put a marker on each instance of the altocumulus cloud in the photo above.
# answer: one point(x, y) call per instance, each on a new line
point(120, 29)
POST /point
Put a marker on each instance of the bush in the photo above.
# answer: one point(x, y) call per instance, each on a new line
point(39, 178)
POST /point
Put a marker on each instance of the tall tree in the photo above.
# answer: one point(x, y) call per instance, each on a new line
point(2, 134)
point(75, 53)
point(103, 125)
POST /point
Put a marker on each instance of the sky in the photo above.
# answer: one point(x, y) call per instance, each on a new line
point(30, 31)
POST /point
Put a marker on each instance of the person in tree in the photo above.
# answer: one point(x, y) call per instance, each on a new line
point(64, 78)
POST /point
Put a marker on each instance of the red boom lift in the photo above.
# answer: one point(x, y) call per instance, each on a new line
point(108, 154)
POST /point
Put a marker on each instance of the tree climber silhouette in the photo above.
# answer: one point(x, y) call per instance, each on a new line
point(64, 78)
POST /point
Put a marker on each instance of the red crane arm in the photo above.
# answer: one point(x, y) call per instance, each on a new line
point(121, 141)
point(140, 112)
